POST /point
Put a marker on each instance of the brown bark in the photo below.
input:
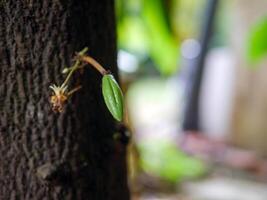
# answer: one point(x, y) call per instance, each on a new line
point(43, 155)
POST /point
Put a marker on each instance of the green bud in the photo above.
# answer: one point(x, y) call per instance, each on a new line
point(65, 70)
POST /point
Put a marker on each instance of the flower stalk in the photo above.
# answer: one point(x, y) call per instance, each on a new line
point(110, 88)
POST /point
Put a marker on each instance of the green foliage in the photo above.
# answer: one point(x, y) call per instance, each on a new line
point(257, 43)
point(113, 96)
point(162, 46)
point(133, 36)
point(164, 159)
point(143, 30)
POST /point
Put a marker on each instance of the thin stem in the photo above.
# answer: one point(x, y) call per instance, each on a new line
point(74, 67)
point(74, 90)
point(83, 51)
point(94, 63)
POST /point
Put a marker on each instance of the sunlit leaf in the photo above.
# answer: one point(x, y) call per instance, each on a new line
point(133, 36)
point(257, 43)
point(163, 47)
point(143, 30)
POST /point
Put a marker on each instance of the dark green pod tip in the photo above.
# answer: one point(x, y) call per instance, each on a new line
point(113, 96)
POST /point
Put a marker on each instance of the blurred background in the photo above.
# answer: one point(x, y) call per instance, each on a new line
point(194, 77)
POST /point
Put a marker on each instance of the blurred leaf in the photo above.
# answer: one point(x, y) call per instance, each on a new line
point(120, 7)
point(164, 159)
point(257, 43)
point(163, 47)
point(143, 30)
point(133, 36)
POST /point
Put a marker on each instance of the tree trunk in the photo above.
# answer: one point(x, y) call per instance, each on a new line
point(44, 155)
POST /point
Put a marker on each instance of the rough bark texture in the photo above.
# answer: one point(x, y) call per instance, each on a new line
point(44, 155)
